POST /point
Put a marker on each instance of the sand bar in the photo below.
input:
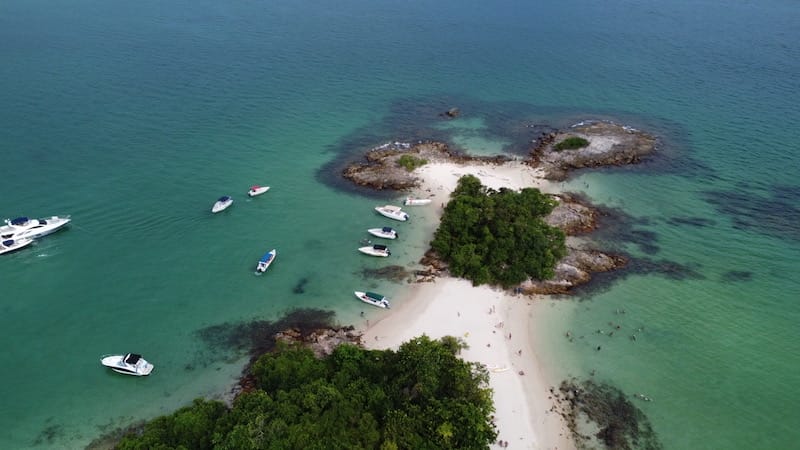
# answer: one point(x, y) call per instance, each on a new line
point(493, 323)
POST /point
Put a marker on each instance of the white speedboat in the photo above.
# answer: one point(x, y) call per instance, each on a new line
point(266, 260)
point(392, 212)
point(413, 201)
point(23, 227)
point(257, 190)
point(375, 250)
point(373, 299)
point(385, 232)
point(129, 364)
point(9, 245)
point(222, 204)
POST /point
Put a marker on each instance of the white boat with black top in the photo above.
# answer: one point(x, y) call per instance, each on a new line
point(385, 232)
point(128, 364)
point(222, 204)
point(10, 245)
point(373, 299)
point(392, 212)
point(375, 250)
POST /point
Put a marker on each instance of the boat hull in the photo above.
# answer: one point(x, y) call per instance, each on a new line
point(117, 364)
point(258, 191)
point(221, 206)
point(372, 252)
point(393, 213)
point(12, 245)
point(266, 261)
point(34, 228)
point(378, 232)
point(410, 201)
point(384, 303)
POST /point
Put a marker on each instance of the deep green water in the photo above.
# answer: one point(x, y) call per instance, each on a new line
point(135, 117)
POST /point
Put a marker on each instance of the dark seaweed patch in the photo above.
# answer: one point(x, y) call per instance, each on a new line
point(621, 424)
point(300, 287)
point(737, 275)
point(775, 212)
point(49, 435)
point(392, 273)
point(698, 222)
point(255, 337)
point(616, 227)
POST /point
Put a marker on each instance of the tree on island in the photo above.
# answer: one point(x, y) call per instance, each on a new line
point(423, 396)
point(498, 237)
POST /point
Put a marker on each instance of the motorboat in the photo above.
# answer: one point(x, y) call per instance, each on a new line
point(128, 364)
point(413, 201)
point(385, 232)
point(222, 204)
point(23, 227)
point(266, 260)
point(375, 250)
point(257, 190)
point(9, 245)
point(392, 212)
point(373, 299)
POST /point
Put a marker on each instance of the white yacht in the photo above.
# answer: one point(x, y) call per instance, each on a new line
point(128, 364)
point(385, 232)
point(9, 245)
point(266, 261)
point(392, 212)
point(23, 227)
point(375, 250)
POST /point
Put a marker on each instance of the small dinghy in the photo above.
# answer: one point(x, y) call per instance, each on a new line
point(222, 204)
point(392, 212)
point(413, 201)
point(373, 299)
point(375, 250)
point(385, 232)
point(128, 364)
point(266, 261)
point(257, 190)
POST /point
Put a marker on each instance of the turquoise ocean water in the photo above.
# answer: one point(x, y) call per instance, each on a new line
point(135, 117)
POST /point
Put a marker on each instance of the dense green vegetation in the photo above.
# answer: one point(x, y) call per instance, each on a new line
point(571, 143)
point(411, 162)
point(421, 397)
point(498, 237)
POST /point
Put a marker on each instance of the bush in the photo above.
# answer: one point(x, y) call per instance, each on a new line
point(498, 237)
point(411, 162)
point(571, 143)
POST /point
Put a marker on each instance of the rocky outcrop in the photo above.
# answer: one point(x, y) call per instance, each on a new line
point(382, 171)
point(575, 269)
point(609, 144)
point(572, 216)
point(323, 341)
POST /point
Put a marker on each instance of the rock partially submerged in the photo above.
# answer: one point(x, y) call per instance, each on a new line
point(382, 171)
point(610, 144)
point(322, 341)
point(575, 269)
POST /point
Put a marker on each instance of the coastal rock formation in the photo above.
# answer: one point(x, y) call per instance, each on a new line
point(572, 216)
point(322, 341)
point(575, 269)
point(609, 144)
point(382, 171)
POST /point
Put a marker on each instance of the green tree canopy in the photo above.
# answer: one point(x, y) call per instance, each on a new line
point(498, 237)
point(421, 397)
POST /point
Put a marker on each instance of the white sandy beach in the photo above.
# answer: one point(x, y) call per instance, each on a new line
point(494, 324)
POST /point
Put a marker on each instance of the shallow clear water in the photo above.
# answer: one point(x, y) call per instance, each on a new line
point(134, 118)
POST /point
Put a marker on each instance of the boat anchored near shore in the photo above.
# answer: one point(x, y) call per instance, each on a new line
point(375, 250)
point(128, 364)
point(373, 299)
point(385, 232)
point(414, 201)
point(392, 212)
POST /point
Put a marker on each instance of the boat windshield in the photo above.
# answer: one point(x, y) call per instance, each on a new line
point(387, 229)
